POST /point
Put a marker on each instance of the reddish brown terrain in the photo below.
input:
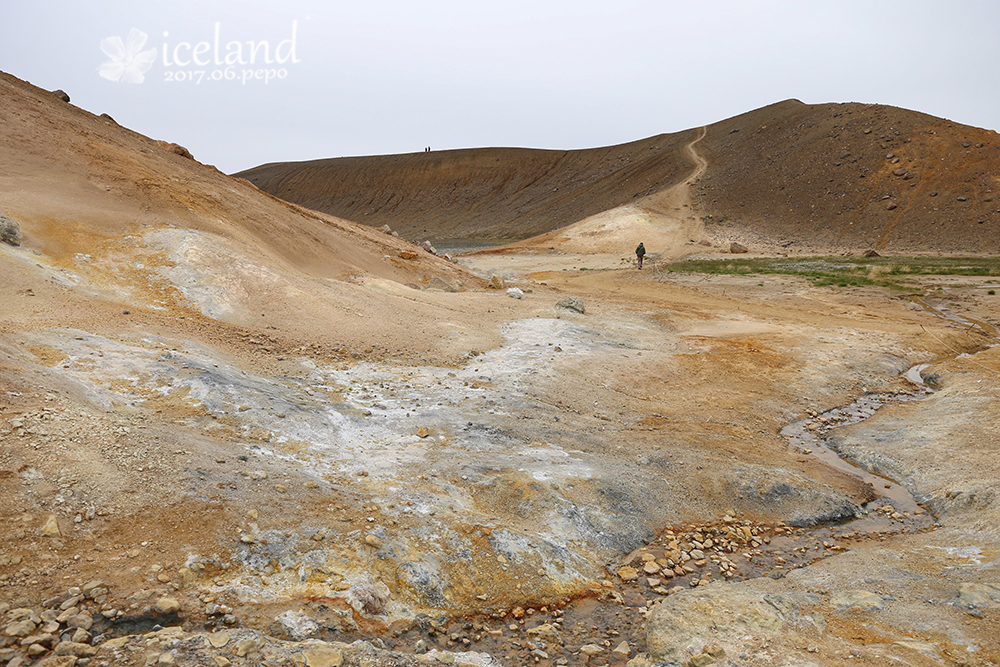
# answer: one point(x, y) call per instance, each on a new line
point(238, 431)
point(843, 176)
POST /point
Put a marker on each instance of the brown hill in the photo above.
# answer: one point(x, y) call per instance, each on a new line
point(488, 193)
point(849, 176)
point(855, 176)
point(137, 225)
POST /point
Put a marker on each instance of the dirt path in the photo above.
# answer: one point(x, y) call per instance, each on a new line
point(664, 221)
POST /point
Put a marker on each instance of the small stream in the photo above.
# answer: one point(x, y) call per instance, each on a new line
point(808, 436)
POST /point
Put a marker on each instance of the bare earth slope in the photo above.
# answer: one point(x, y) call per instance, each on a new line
point(854, 177)
point(488, 193)
point(851, 176)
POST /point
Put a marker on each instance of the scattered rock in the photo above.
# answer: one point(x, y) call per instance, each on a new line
point(441, 285)
point(407, 254)
point(82, 621)
point(426, 245)
point(319, 656)
point(246, 646)
point(167, 605)
point(61, 94)
point(701, 660)
point(92, 589)
point(218, 639)
point(10, 231)
point(858, 599)
point(572, 303)
point(296, 624)
point(515, 293)
point(715, 612)
point(738, 248)
point(176, 149)
point(872, 253)
point(50, 528)
point(978, 595)
point(35, 651)
point(496, 282)
point(21, 628)
point(75, 648)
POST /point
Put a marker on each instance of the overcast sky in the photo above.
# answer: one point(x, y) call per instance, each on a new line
point(248, 82)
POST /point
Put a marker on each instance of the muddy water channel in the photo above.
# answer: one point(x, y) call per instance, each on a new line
point(809, 436)
point(606, 626)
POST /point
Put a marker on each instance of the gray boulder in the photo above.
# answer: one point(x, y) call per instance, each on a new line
point(572, 303)
point(10, 231)
point(682, 623)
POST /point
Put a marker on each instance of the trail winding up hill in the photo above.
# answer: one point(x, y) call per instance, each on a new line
point(826, 176)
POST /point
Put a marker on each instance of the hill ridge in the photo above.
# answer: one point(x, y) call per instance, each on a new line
point(811, 174)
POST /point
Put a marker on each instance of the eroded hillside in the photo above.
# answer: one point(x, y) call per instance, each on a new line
point(849, 176)
point(489, 193)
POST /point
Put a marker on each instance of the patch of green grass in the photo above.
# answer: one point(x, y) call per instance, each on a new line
point(891, 272)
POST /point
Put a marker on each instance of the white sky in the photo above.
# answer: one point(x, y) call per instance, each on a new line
point(394, 76)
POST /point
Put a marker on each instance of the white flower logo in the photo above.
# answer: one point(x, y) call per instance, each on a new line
point(128, 62)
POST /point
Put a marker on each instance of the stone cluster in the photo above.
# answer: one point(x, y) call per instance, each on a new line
point(698, 552)
point(61, 627)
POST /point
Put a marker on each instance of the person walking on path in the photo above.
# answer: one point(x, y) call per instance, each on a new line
point(640, 252)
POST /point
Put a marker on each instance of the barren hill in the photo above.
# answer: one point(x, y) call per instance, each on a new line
point(488, 193)
point(855, 176)
point(841, 176)
point(142, 226)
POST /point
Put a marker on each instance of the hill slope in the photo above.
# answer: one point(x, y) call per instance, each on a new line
point(855, 176)
point(488, 193)
point(125, 219)
point(840, 176)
